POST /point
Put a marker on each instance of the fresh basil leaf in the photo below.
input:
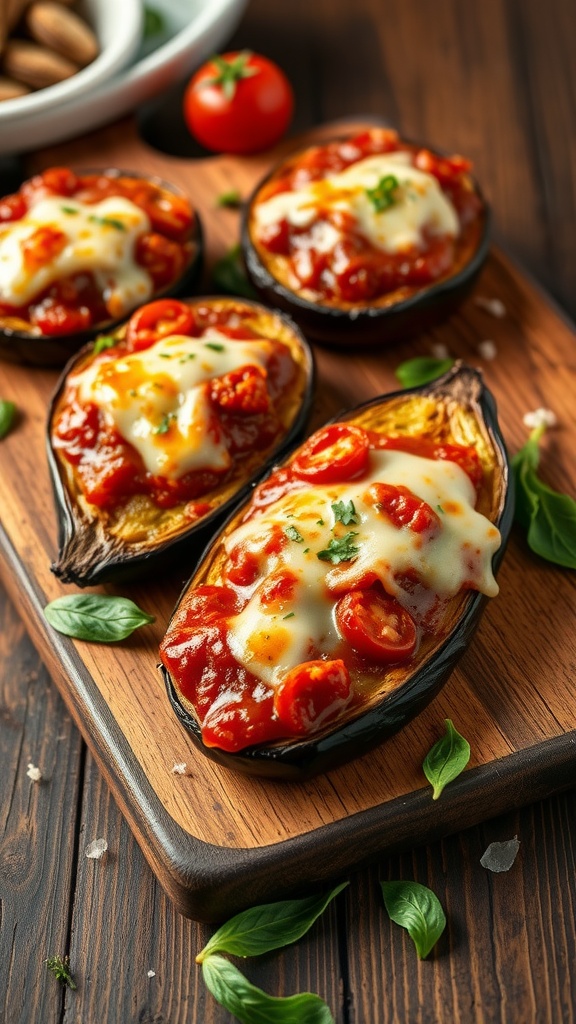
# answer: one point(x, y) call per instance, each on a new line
point(421, 370)
point(446, 760)
point(153, 22)
point(99, 617)
point(7, 414)
point(340, 549)
point(269, 926)
point(229, 275)
point(251, 1005)
point(345, 513)
point(231, 199)
point(547, 515)
point(103, 342)
point(417, 909)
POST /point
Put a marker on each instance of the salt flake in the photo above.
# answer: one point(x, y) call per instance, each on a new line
point(179, 769)
point(500, 856)
point(151, 974)
point(97, 849)
point(440, 350)
point(33, 772)
point(540, 418)
point(493, 306)
point(487, 349)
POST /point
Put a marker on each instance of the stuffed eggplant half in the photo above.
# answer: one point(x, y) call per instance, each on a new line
point(80, 250)
point(333, 606)
point(367, 238)
point(156, 430)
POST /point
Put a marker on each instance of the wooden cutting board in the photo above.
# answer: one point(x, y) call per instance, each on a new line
point(219, 841)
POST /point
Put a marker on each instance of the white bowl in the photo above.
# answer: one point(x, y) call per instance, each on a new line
point(118, 26)
point(195, 29)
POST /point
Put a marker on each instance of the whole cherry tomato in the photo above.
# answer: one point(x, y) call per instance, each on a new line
point(376, 626)
point(238, 103)
point(334, 454)
point(158, 320)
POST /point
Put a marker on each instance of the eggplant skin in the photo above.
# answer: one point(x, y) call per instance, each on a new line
point(380, 322)
point(137, 539)
point(471, 408)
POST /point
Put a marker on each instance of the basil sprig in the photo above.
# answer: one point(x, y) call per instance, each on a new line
point(261, 929)
point(251, 1005)
point(102, 618)
point(547, 515)
point(446, 759)
point(7, 414)
point(229, 276)
point(421, 370)
point(417, 909)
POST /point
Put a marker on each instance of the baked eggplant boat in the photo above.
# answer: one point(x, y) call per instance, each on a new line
point(157, 429)
point(333, 606)
point(366, 239)
point(80, 251)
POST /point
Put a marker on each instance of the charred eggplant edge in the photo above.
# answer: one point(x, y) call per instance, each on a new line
point(88, 554)
point(298, 760)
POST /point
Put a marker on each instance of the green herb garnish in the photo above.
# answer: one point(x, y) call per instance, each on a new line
point(548, 515)
point(153, 22)
point(164, 425)
point(99, 617)
point(7, 416)
point(108, 222)
point(421, 370)
point(417, 909)
point(344, 512)
point(319, 522)
point(289, 616)
point(385, 193)
point(250, 1005)
point(60, 967)
point(340, 549)
point(69, 209)
point(294, 534)
point(230, 199)
point(229, 275)
point(214, 345)
point(446, 759)
point(103, 342)
point(190, 355)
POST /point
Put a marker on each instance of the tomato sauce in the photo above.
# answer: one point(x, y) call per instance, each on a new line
point(353, 270)
point(234, 707)
point(78, 302)
point(242, 407)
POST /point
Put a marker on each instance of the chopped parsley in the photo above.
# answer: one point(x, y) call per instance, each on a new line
point(440, 509)
point(164, 425)
point(340, 549)
point(214, 345)
point(108, 222)
point(165, 355)
point(319, 522)
point(289, 616)
point(294, 534)
point(345, 513)
point(190, 355)
point(105, 341)
point(384, 195)
point(69, 209)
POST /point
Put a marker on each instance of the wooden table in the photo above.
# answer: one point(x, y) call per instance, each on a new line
point(496, 81)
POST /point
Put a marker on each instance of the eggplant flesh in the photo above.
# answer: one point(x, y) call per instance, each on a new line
point(457, 408)
point(136, 537)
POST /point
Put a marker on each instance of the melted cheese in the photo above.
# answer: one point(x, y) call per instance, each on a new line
point(158, 399)
point(419, 204)
point(99, 237)
point(270, 640)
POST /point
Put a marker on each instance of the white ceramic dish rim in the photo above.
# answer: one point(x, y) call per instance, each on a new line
point(119, 38)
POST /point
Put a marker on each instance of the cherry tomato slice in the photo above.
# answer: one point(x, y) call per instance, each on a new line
point(158, 320)
point(376, 626)
point(311, 693)
point(334, 454)
point(404, 508)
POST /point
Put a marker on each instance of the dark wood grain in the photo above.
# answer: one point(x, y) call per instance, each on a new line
point(496, 80)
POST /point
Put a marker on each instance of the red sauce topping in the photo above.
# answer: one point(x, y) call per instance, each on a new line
point(77, 302)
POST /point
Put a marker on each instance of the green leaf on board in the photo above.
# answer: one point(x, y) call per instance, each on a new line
point(421, 370)
point(7, 416)
point(417, 909)
point(102, 618)
point(229, 275)
point(548, 515)
point(446, 759)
